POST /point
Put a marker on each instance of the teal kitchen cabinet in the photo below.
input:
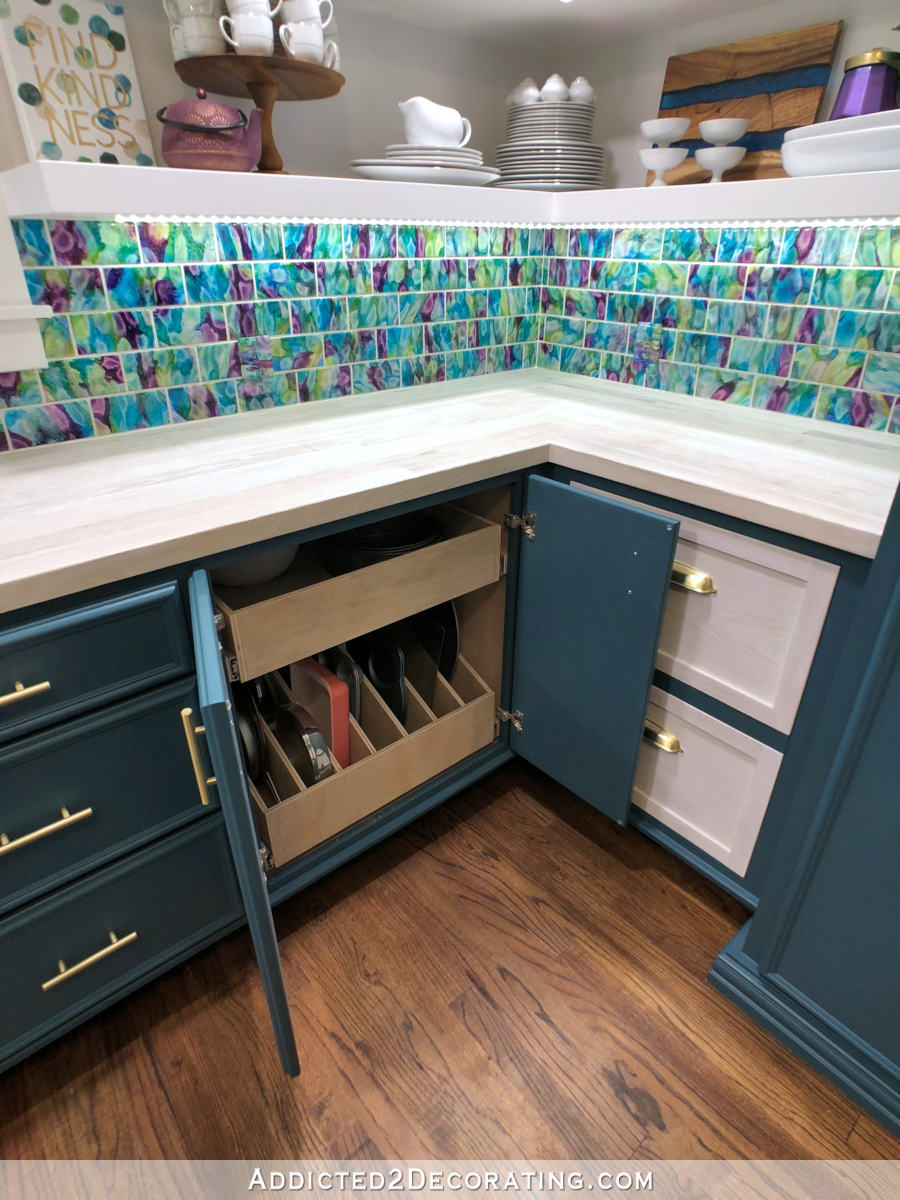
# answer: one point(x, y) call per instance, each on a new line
point(580, 622)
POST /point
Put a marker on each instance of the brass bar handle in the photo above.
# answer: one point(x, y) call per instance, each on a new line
point(662, 739)
point(191, 732)
point(691, 579)
point(115, 943)
point(65, 820)
point(21, 692)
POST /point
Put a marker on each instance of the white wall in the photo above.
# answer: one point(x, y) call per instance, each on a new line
point(628, 74)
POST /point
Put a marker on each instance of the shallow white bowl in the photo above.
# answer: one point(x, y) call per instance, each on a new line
point(664, 130)
point(719, 159)
point(874, 149)
point(722, 131)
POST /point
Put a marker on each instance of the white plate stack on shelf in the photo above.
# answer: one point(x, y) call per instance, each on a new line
point(427, 164)
point(548, 143)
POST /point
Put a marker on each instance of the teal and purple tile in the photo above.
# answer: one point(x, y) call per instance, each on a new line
point(458, 306)
point(132, 410)
point(756, 245)
point(731, 387)
point(505, 358)
point(814, 245)
point(761, 357)
point(420, 241)
point(463, 364)
point(49, 423)
point(580, 302)
point(619, 368)
point(785, 396)
point(690, 245)
point(422, 307)
point(208, 283)
point(380, 376)
point(399, 341)
point(144, 287)
point(739, 317)
point(553, 301)
point(219, 360)
point(370, 241)
point(76, 290)
point(705, 349)
point(443, 274)
point(275, 391)
point(819, 364)
point(108, 333)
point(530, 353)
point(369, 312)
point(523, 329)
point(489, 331)
point(566, 331)
point(629, 307)
point(202, 400)
point(883, 373)
point(524, 272)
point(344, 278)
point(637, 243)
point(678, 377)
point(94, 243)
point(813, 326)
point(4, 440)
point(878, 246)
point(486, 272)
point(158, 368)
point(557, 241)
point(836, 287)
point(252, 240)
point(510, 302)
point(69, 379)
point(358, 346)
point(867, 410)
point(608, 335)
point(32, 242)
point(589, 243)
point(56, 337)
point(512, 242)
point(313, 241)
point(423, 368)
point(271, 318)
point(715, 281)
point(328, 383)
point(320, 315)
point(396, 275)
point(178, 241)
point(190, 326)
point(779, 285)
point(669, 279)
point(868, 331)
point(440, 336)
point(613, 275)
point(677, 312)
point(547, 355)
point(20, 388)
point(893, 300)
point(285, 280)
point(578, 360)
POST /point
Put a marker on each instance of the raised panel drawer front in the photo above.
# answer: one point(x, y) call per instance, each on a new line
point(751, 642)
point(307, 610)
point(79, 659)
point(74, 796)
point(84, 943)
point(715, 791)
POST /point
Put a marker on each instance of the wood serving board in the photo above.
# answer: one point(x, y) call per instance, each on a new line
point(776, 81)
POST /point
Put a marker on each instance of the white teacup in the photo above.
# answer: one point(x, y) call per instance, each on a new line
point(307, 10)
point(303, 39)
point(196, 37)
point(177, 10)
point(332, 56)
point(250, 32)
point(259, 7)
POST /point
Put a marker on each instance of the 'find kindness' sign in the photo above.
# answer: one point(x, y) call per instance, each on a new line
point(71, 72)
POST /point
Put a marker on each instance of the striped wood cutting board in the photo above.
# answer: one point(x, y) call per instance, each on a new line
point(776, 81)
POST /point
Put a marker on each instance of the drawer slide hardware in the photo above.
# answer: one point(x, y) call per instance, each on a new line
point(21, 692)
point(191, 733)
point(526, 523)
point(115, 943)
point(662, 739)
point(515, 718)
point(692, 579)
point(65, 820)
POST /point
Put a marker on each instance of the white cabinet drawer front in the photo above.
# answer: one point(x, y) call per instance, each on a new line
point(751, 643)
point(716, 792)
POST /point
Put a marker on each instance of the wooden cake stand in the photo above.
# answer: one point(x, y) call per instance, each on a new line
point(264, 80)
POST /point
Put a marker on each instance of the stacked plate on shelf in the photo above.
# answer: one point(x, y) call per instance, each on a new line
point(428, 164)
point(548, 147)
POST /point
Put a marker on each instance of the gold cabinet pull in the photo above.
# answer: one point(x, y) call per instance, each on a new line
point(691, 579)
point(661, 738)
point(21, 692)
point(191, 732)
point(65, 820)
point(64, 972)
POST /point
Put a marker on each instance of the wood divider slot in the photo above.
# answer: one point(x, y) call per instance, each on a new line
point(467, 683)
point(418, 714)
point(360, 746)
point(378, 722)
point(287, 781)
point(446, 699)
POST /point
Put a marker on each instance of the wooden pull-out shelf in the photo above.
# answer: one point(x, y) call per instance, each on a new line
point(307, 610)
point(387, 760)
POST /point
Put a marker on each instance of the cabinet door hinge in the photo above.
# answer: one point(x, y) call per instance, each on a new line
point(515, 718)
point(231, 667)
point(526, 523)
point(266, 861)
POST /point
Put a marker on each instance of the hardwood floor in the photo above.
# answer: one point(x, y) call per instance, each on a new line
point(511, 977)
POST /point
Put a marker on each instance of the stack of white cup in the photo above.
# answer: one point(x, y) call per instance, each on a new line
point(248, 25)
point(194, 28)
point(302, 31)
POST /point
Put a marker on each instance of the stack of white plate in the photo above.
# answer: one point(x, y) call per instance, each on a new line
point(428, 164)
point(548, 147)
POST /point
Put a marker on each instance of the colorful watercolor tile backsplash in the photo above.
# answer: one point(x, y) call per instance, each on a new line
point(158, 322)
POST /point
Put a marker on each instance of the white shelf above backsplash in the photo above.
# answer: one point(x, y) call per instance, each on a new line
point(47, 189)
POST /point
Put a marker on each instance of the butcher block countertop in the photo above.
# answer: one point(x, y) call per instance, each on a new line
point(81, 514)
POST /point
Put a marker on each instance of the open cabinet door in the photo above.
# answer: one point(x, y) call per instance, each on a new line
point(231, 785)
point(592, 591)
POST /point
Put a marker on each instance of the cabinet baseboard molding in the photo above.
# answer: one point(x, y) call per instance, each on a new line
point(829, 1047)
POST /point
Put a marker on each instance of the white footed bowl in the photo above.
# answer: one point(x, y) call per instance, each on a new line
point(664, 130)
point(719, 159)
point(723, 130)
point(661, 159)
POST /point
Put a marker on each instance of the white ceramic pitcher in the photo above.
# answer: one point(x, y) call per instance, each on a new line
point(428, 124)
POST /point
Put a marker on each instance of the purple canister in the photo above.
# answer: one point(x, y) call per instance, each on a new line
point(869, 84)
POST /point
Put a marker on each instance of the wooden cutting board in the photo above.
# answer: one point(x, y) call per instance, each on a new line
point(776, 81)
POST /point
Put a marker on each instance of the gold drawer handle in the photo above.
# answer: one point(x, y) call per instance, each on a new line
point(21, 692)
point(115, 943)
point(661, 738)
point(691, 579)
point(66, 819)
point(191, 731)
